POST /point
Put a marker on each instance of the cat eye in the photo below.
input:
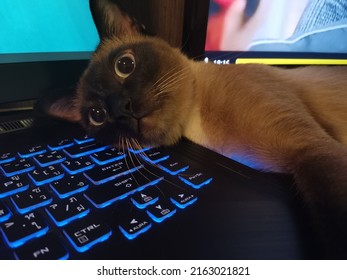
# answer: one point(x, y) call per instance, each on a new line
point(97, 116)
point(125, 65)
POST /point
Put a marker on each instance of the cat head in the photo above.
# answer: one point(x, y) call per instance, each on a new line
point(135, 87)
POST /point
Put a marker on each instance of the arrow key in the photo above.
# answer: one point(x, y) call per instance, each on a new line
point(134, 225)
point(145, 198)
point(183, 199)
point(161, 211)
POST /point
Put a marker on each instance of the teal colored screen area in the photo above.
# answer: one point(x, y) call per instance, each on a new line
point(46, 26)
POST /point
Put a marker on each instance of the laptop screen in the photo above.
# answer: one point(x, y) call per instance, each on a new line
point(277, 31)
point(41, 30)
point(43, 45)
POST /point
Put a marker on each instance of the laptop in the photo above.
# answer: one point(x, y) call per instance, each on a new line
point(63, 195)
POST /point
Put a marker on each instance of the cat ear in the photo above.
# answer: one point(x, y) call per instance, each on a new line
point(111, 19)
point(60, 104)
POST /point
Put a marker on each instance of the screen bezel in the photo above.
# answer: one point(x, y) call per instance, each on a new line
point(30, 80)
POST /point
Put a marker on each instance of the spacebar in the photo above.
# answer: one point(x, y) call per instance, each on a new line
point(102, 174)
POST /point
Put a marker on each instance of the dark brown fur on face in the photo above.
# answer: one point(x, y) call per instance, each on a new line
point(155, 92)
point(284, 120)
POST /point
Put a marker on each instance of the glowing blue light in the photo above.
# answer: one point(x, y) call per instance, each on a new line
point(65, 257)
point(173, 172)
point(123, 196)
point(193, 185)
point(113, 176)
point(152, 183)
point(33, 207)
point(89, 245)
point(99, 149)
point(49, 163)
point(69, 220)
point(184, 205)
point(246, 161)
point(110, 201)
point(136, 234)
point(65, 195)
point(155, 161)
point(82, 141)
point(73, 172)
point(25, 239)
point(134, 151)
point(57, 148)
point(18, 171)
point(160, 219)
point(22, 189)
point(5, 217)
point(7, 160)
point(144, 205)
point(107, 161)
point(47, 181)
point(32, 154)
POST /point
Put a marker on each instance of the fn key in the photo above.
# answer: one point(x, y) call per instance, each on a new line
point(48, 247)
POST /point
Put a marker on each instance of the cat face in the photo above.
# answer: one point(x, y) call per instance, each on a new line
point(134, 88)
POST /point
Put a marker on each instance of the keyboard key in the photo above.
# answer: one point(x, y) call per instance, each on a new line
point(84, 149)
point(46, 175)
point(15, 167)
point(69, 185)
point(183, 199)
point(61, 144)
point(21, 229)
point(31, 199)
point(7, 157)
point(49, 158)
point(105, 173)
point(85, 233)
point(161, 210)
point(83, 139)
point(195, 178)
point(5, 213)
point(145, 198)
point(77, 165)
point(134, 225)
point(48, 247)
point(119, 188)
point(173, 166)
point(32, 151)
point(13, 185)
point(66, 211)
point(154, 155)
point(138, 150)
point(107, 156)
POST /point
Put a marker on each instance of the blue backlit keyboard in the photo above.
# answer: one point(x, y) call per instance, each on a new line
point(71, 196)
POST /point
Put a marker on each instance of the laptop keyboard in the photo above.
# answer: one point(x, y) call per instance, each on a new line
point(71, 196)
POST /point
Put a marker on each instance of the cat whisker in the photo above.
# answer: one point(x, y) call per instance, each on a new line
point(138, 146)
point(172, 75)
point(156, 166)
point(170, 84)
point(168, 73)
point(167, 77)
point(174, 81)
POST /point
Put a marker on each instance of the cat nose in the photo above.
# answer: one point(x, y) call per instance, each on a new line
point(122, 107)
point(126, 107)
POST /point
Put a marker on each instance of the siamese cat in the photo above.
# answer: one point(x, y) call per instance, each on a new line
point(140, 90)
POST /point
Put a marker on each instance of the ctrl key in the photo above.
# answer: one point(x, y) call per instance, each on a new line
point(86, 233)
